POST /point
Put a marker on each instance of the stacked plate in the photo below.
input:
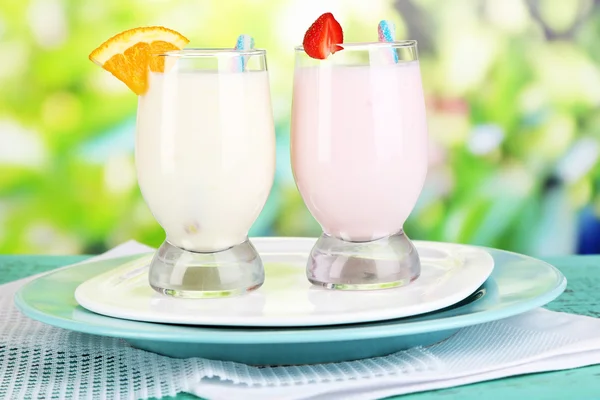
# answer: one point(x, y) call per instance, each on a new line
point(289, 321)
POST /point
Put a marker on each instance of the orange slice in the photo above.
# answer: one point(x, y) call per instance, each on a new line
point(128, 55)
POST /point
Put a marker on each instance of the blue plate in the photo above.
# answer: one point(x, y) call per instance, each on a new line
point(517, 284)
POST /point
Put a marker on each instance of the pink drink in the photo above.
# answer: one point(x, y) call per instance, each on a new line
point(359, 146)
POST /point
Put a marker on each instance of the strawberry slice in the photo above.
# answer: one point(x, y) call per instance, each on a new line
point(323, 37)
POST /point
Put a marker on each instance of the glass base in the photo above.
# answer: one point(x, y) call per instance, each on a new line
point(181, 273)
point(385, 263)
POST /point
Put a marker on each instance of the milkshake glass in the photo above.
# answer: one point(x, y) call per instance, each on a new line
point(359, 157)
point(205, 160)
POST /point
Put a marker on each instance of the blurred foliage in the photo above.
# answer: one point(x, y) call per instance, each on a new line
point(513, 87)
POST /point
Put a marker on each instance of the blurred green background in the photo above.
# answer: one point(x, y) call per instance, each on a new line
point(513, 92)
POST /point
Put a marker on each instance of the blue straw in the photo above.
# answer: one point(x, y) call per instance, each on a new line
point(244, 42)
point(386, 31)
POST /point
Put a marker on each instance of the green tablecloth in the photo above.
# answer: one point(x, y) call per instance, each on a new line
point(581, 297)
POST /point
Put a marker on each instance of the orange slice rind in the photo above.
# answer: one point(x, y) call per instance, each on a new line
point(128, 55)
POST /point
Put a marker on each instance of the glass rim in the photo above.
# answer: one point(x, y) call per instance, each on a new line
point(210, 52)
point(369, 45)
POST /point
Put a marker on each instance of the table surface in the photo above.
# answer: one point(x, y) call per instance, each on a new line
point(582, 296)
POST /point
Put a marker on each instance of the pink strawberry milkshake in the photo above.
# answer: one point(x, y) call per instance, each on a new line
point(359, 146)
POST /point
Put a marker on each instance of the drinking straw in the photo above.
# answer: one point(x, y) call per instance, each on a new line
point(244, 42)
point(386, 31)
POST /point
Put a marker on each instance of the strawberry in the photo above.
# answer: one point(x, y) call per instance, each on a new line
point(323, 37)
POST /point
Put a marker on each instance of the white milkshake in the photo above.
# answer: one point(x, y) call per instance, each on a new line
point(205, 154)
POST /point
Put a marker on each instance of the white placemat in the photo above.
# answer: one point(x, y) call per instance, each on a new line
point(38, 360)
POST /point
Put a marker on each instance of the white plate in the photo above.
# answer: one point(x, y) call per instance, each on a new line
point(450, 273)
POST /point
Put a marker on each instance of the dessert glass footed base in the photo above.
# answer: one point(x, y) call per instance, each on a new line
point(182, 273)
point(384, 263)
